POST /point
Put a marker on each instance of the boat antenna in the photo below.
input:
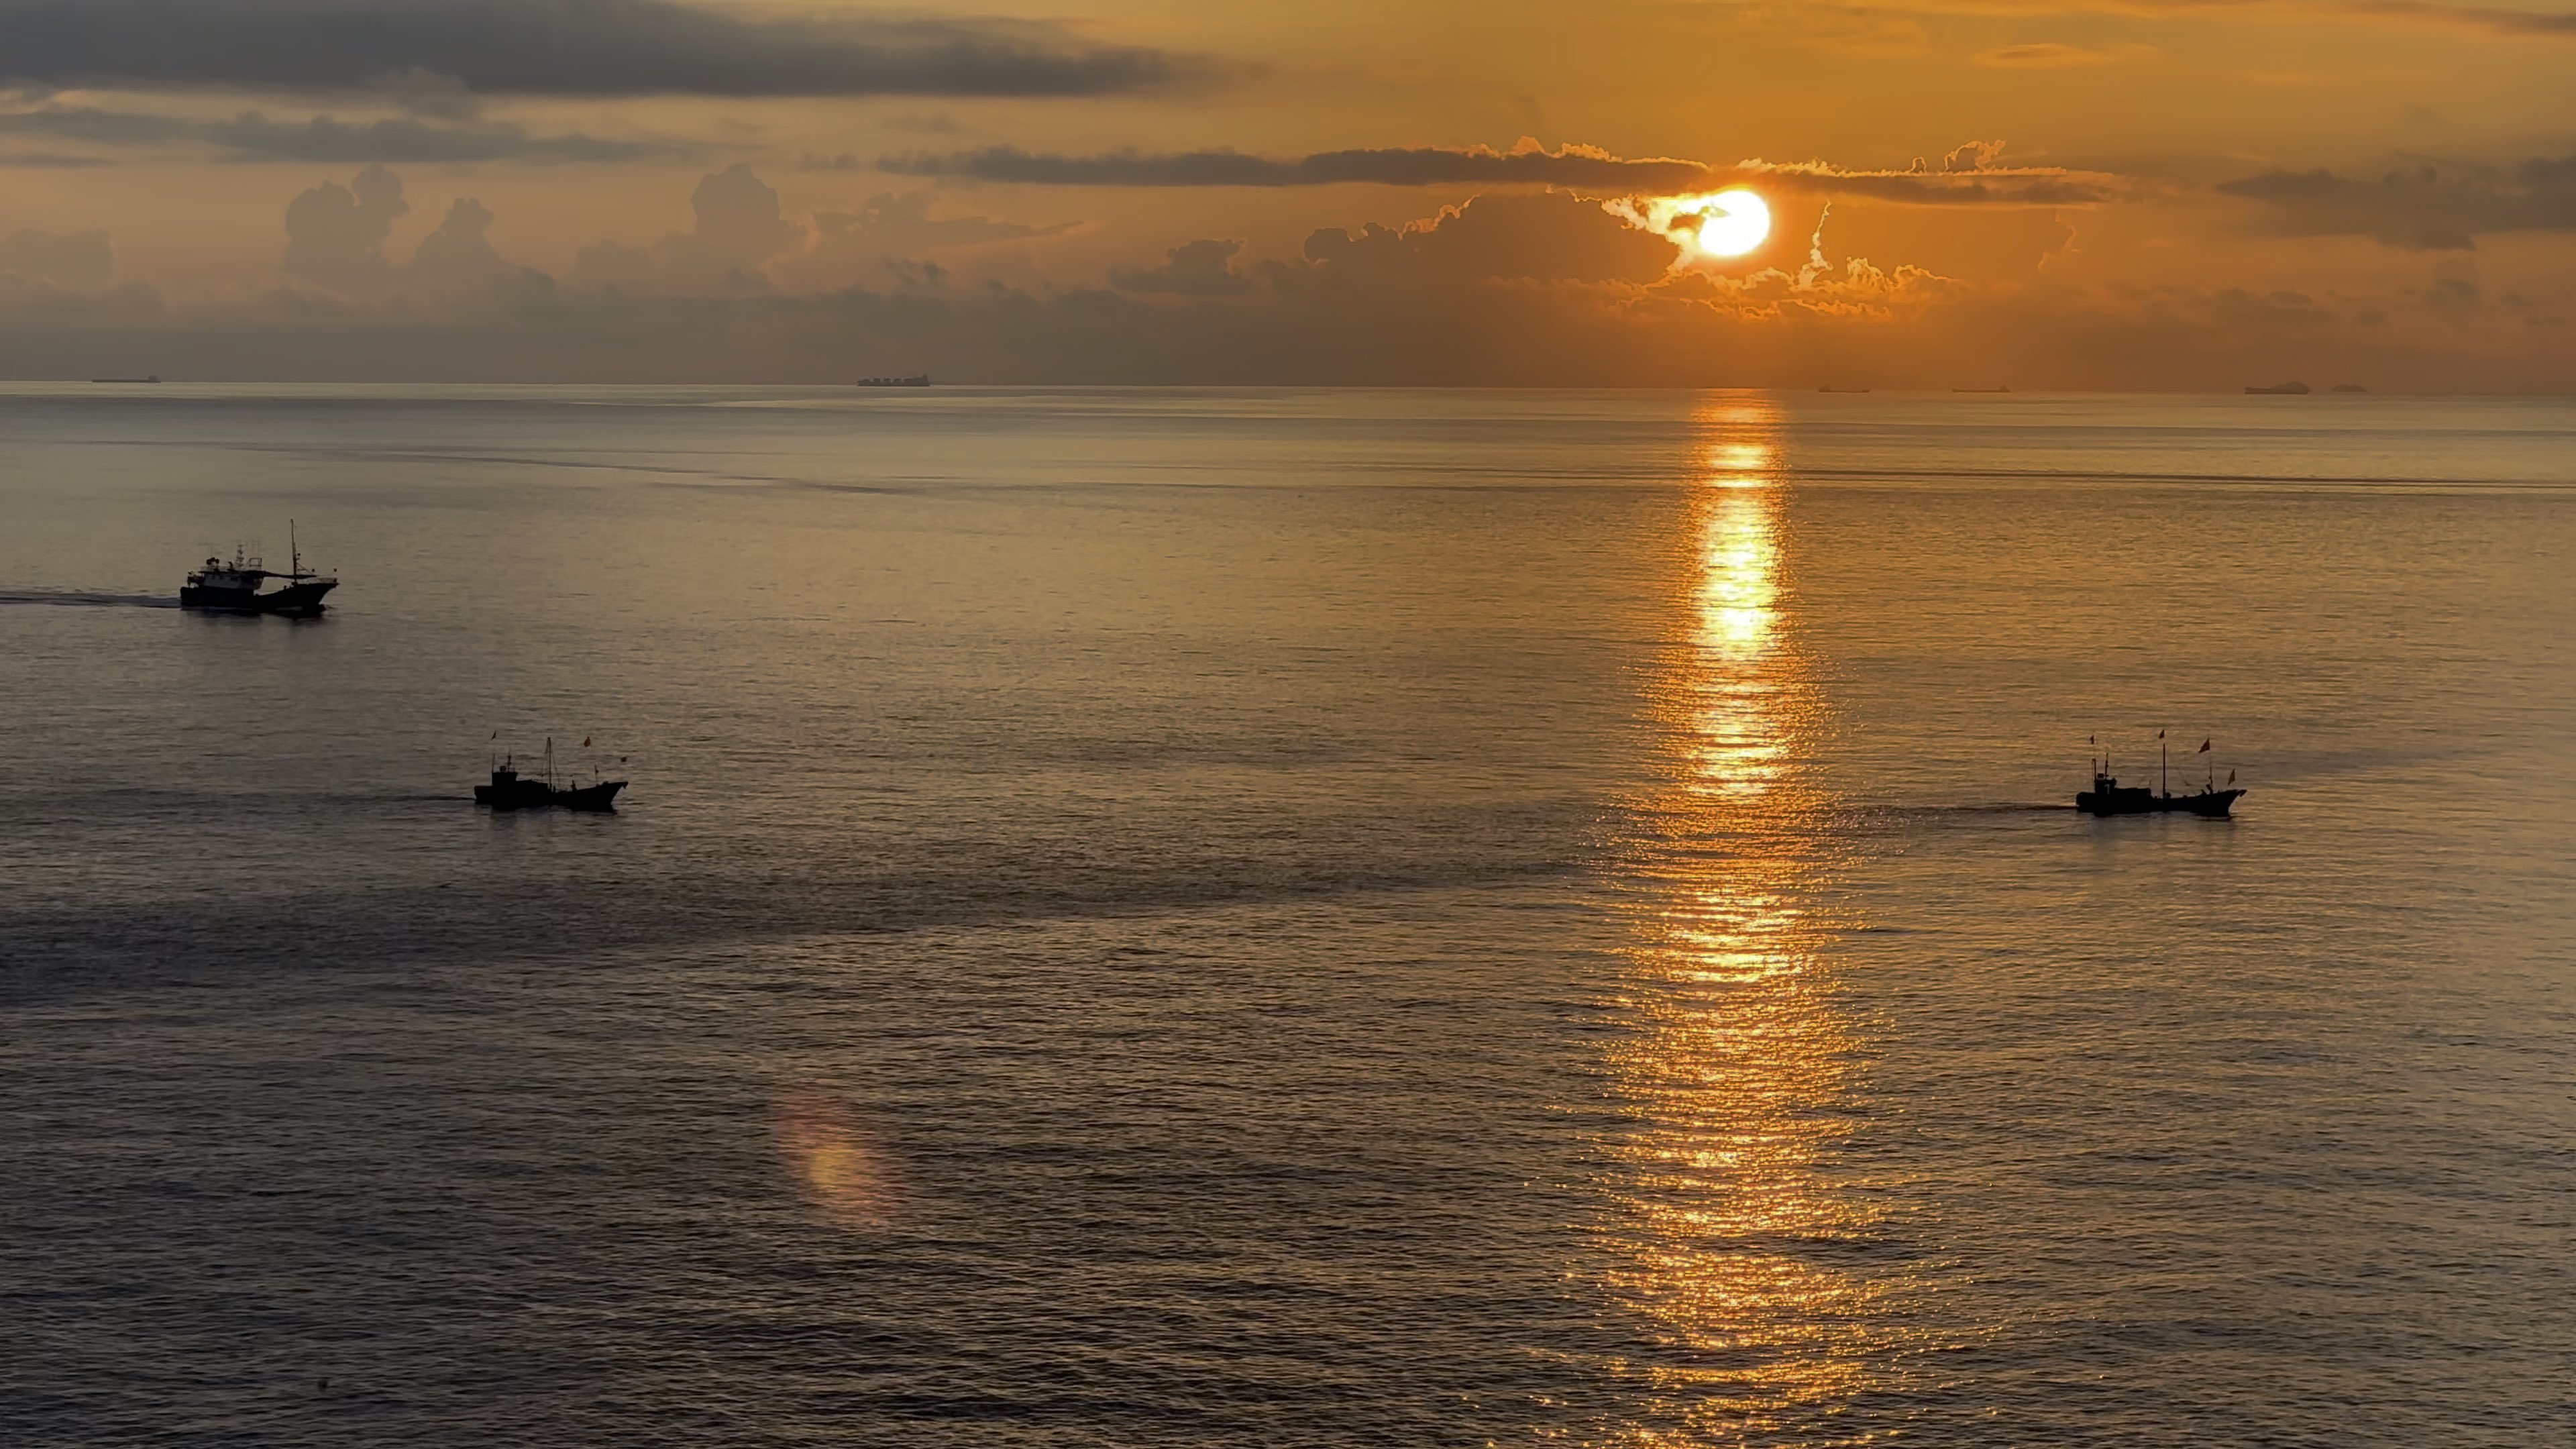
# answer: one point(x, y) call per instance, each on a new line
point(2164, 765)
point(550, 762)
point(294, 556)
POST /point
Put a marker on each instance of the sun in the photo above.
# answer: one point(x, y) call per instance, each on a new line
point(1733, 223)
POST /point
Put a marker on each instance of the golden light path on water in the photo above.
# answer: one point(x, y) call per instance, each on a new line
point(1731, 1057)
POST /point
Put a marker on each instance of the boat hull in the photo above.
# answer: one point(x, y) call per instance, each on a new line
point(302, 600)
point(2208, 804)
point(538, 795)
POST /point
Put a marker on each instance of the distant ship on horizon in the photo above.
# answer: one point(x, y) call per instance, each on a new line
point(2280, 389)
point(918, 379)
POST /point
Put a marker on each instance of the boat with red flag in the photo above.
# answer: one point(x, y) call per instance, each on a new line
point(2109, 797)
point(510, 790)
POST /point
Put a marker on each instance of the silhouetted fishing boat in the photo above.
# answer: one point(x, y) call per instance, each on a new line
point(234, 588)
point(510, 790)
point(2109, 797)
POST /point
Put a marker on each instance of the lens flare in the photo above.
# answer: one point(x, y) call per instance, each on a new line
point(844, 1172)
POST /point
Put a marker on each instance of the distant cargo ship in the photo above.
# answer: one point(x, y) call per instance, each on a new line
point(919, 379)
point(156, 377)
point(2280, 389)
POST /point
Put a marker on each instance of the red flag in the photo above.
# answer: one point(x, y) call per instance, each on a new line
point(2160, 734)
point(585, 743)
point(2204, 748)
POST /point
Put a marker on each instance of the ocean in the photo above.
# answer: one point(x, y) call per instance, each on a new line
point(1171, 917)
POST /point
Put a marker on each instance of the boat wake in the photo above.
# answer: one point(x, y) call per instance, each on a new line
point(87, 599)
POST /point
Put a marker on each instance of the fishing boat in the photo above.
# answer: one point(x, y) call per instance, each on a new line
point(235, 588)
point(510, 790)
point(2109, 797)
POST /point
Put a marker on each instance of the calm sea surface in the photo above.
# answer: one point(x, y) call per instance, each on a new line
point(1304, 918)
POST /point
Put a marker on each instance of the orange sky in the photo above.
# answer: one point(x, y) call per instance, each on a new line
point(2129, 193)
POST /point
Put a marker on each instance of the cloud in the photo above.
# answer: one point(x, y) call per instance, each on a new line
point(1519, 288)
point(2493, 20)
point(743, 243)
point(2419, 208)
point(1575, 167)
point(892, 234)
point(1528, 164)
point(49, 160)
point(335, 235)
point(2050, 55)
point(77, 260)
point(326, 139)
point(253, 136)
point(1546, 237)
point(1974, 174)
point(1198, 269)
point(554, 47)
point(335, 246)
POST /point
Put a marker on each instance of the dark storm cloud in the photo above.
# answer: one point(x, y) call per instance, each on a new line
point(551, 47)
point(252, 136)
point(1394, 166)
point(2422, 208)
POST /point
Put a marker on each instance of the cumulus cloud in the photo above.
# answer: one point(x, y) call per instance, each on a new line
point(553, 47)
point(1547, 237)
point(892, 233)
point(1987, 182)
point(739, 229)
point(1518, 288)
point(1197, 269)
point(335, 235)
point(2418, 208)
point(335, 246)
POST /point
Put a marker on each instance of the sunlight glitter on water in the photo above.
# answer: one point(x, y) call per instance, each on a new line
point(1732, 1065)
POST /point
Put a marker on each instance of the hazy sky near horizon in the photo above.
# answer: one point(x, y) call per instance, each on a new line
point(2081, 193)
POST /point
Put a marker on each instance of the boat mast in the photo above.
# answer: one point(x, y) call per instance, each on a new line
point(294, 558)
point(2164, 765)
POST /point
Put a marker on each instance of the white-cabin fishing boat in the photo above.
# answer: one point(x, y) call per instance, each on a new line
point(236, 587)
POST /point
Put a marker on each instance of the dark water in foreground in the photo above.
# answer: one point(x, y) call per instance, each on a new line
point(1306, 919)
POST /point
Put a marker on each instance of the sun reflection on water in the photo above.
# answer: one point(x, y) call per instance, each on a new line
point(1729, 1238)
